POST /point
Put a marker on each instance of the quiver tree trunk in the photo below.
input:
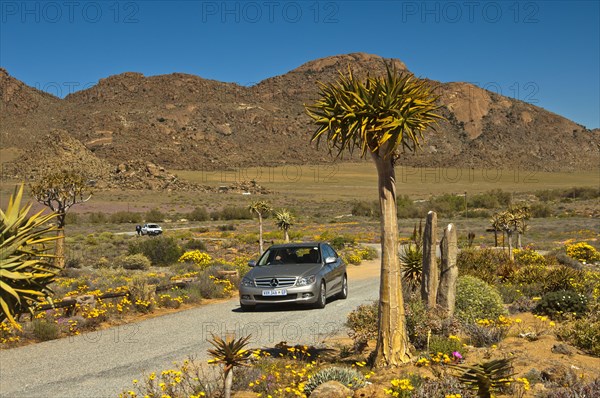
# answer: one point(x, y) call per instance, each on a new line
point(260, 234)
point(59, 249)
point(511, 255)
point(430, 277)
point(446, 296)
point(392, 340)
point(286, 236)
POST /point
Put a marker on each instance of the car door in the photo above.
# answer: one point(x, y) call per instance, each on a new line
point(335, 270)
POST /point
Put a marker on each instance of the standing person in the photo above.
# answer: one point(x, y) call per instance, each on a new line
point(138, 229)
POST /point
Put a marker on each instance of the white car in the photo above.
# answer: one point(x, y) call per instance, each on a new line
point(151, 229)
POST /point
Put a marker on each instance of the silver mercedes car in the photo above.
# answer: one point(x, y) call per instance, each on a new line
point(307, 273)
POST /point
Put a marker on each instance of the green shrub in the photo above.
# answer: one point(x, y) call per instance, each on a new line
point(194, 244)
point(561, 278)
point(97, 218)
point(349, 377)
point(583, 252)
point(44, 330)
point(560, 303)
point(71, 218)
point(445, 345)
point(488, 265)
point(567, 261)
point(577, 391)
point(475, 299)
point(363, 323)
point(493, 199)
point(134, 261)
point(102, 262)
point(528, 257)
point(406, 208)
point(198, 214)
point(342, 241)
point(583, 333)
point(365, 209)
point(233, 213)
point(540, 210)
point(447, 205)
point(226, 227)
point(486, 332)
point(160, 250)
point(154, 215)
point(123, 217)
point(420, 322)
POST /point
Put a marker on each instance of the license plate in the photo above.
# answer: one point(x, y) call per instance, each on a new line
point(276, 292)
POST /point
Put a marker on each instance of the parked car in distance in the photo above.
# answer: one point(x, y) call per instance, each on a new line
point(306, 273)
point(151, 229)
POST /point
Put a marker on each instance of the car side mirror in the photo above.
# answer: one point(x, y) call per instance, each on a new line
point(251, 263)
point(330, 260)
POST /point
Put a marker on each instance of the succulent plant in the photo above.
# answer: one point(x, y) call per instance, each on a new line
point(349, 377)
point(25, 269)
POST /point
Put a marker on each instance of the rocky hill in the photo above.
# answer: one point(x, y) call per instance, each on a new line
point(181, 121)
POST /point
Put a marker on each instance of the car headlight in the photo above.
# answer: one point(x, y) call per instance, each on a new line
point(307, 280)
point(247, 282)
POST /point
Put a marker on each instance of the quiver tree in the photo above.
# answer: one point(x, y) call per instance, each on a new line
point(382, 117)
point(284, 221)
point(262, 209)
point(523, 215)
point(60, 191)
point(25, 269)
point(511, 221)
point(446, 294)
point(495, 223)
point(430, 278)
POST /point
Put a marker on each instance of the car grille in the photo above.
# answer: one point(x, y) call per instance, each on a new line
point(281, 282)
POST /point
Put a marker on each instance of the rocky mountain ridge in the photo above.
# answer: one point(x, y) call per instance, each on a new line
point(182, 121)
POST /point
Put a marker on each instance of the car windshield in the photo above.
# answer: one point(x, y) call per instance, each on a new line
point(291, 255)
point(152, 225)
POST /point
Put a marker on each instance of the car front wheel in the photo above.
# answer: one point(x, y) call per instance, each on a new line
point(322, 299)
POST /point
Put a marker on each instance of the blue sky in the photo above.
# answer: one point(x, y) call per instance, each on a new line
point(543, 52)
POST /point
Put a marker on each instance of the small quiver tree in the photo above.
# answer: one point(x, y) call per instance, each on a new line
point(261, 208)
point(59, 191)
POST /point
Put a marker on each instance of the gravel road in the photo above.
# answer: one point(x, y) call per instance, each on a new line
point(104, 363)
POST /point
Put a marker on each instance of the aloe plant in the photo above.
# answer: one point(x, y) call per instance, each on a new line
point(486, 377)
point(25, 268)
point(231, 353)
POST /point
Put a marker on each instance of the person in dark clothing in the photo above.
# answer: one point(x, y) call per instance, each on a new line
point(138, 229)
